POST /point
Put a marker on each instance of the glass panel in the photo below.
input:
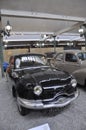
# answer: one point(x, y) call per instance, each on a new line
point(30, 60)
point(71, 58)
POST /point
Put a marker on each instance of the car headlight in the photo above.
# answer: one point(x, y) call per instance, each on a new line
point(14, 75)
point(37, 90)
point(74, 83)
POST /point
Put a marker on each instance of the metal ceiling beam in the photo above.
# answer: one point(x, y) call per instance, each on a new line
point(74, 26)
point(31, 33)
point(37, 15)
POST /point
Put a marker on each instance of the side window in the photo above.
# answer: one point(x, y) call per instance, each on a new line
point(60, 56)
point(17, 63)
point(70, 58)
point(80, 55)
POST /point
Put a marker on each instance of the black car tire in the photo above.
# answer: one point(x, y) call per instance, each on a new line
point(13, 92)
point(23, 111)
point(85, 83)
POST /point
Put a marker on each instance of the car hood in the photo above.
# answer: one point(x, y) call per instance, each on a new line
point(37, 75)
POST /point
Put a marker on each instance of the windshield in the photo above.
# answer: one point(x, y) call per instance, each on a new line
point(30, 61)
point(82, 55)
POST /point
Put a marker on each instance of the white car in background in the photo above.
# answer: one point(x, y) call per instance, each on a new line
point(73, 62)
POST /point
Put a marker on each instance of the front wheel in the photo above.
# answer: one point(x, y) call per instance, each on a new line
point(13, 92)
point(85, 83)
point(23, 111)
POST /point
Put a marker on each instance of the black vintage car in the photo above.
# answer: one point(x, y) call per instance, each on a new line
point(36, 85)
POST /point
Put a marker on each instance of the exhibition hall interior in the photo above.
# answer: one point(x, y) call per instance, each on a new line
point(42, 65)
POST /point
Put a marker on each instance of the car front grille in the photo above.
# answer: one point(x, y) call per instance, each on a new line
point(55, 82)
point(57, 87)
point(50, 93)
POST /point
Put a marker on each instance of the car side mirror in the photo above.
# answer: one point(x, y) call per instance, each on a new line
point(80, 61)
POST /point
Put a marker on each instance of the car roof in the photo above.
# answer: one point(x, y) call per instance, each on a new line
point(32, 54)
point(72, 51)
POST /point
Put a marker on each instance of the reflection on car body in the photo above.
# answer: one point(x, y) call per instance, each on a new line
point(39, 86)
point(72, 61)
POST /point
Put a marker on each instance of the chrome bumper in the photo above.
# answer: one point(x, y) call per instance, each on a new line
point(37, 104)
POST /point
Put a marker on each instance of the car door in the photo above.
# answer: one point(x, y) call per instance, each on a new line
point(59, 61)
point(71, 62)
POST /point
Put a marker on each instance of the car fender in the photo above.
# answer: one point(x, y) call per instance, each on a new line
point(80, 76)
